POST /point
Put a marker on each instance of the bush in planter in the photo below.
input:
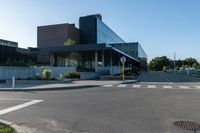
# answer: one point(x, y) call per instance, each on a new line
point(47, 74)
point(72, 75)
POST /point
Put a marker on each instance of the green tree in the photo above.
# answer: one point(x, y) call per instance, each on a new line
point(158, 63)
point(69, 42)
point(190, 61)
point(195, 65)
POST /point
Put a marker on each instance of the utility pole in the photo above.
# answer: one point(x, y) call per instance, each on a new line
point(174, 61)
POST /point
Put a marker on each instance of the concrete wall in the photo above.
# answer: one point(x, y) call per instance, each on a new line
point(103, 70)
point(88, 75)
point(117, 70)
point(27, 72)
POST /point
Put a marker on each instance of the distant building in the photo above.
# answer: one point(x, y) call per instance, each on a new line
point(10, 50)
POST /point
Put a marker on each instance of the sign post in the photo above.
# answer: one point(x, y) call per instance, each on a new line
point(123, 60)
point(13, 82)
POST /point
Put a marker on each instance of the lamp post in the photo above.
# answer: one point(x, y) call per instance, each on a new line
point(174, 61)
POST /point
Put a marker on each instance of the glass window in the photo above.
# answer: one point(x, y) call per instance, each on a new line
point(106, 35)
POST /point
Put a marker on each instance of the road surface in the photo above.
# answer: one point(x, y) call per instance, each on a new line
point(143, 107)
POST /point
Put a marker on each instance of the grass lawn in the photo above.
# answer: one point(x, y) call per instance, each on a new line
point(6, 129)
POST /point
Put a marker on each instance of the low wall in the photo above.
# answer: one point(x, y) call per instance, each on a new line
point(23, 82)
point(118, 77)
point(88, 75)
point(18, 72)
point(27, 72)
point(103, 70)
point(117, 70)
point(56, 71)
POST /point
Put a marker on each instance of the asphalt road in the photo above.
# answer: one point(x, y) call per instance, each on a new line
point(166, 77)
point(111, 109)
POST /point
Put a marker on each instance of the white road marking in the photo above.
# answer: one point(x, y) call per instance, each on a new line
point(122, 85)
point(11, 109)
point(151, 86)
point(107, 85)
point(167, 87)
point(198, 87)
point(184, 87)
point(136, 86)
point(157, 83)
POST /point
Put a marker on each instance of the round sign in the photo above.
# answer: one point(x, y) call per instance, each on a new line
point(123, 60)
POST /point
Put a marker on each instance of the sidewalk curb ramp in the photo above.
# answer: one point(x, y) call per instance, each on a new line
point(132, 81)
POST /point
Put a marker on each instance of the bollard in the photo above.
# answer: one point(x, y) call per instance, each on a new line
point(13, 82)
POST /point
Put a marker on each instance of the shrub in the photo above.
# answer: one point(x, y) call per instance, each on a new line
point(6, 128)
point(47, 74)
point(72, 75)
point(61, 77)
point(37, 77)
point(53, 79)
point(164, 69)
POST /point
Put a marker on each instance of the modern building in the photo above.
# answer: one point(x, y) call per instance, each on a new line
point(10, 50)
point(96, 47)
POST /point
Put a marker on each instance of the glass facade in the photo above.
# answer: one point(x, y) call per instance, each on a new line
point(141, 52)
point(106, 35)
point(132, 49)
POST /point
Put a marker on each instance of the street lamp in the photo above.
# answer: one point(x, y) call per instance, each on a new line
point(174, 61)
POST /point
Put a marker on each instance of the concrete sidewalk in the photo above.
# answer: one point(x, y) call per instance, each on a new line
point(58, 86)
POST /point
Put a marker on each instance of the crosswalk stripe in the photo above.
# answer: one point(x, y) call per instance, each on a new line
point(136, 86)
point(122, 85)
point(184, 87)
point(107, 85)
point(151, 86)
point(167, 87)
point(197, 87)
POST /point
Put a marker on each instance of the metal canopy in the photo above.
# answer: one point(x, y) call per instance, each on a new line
point(83, 47)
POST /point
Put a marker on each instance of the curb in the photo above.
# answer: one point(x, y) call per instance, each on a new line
point(17, 128)
point(132, 81)
point(51, 89)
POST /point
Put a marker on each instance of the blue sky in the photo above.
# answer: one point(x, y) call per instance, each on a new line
point(161, 26)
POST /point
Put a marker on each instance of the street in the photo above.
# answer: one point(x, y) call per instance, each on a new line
point(151, 105)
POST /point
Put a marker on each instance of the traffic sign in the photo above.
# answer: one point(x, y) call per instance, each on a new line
point(123, 59)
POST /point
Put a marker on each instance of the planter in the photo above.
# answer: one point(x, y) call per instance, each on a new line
point(22, 82)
